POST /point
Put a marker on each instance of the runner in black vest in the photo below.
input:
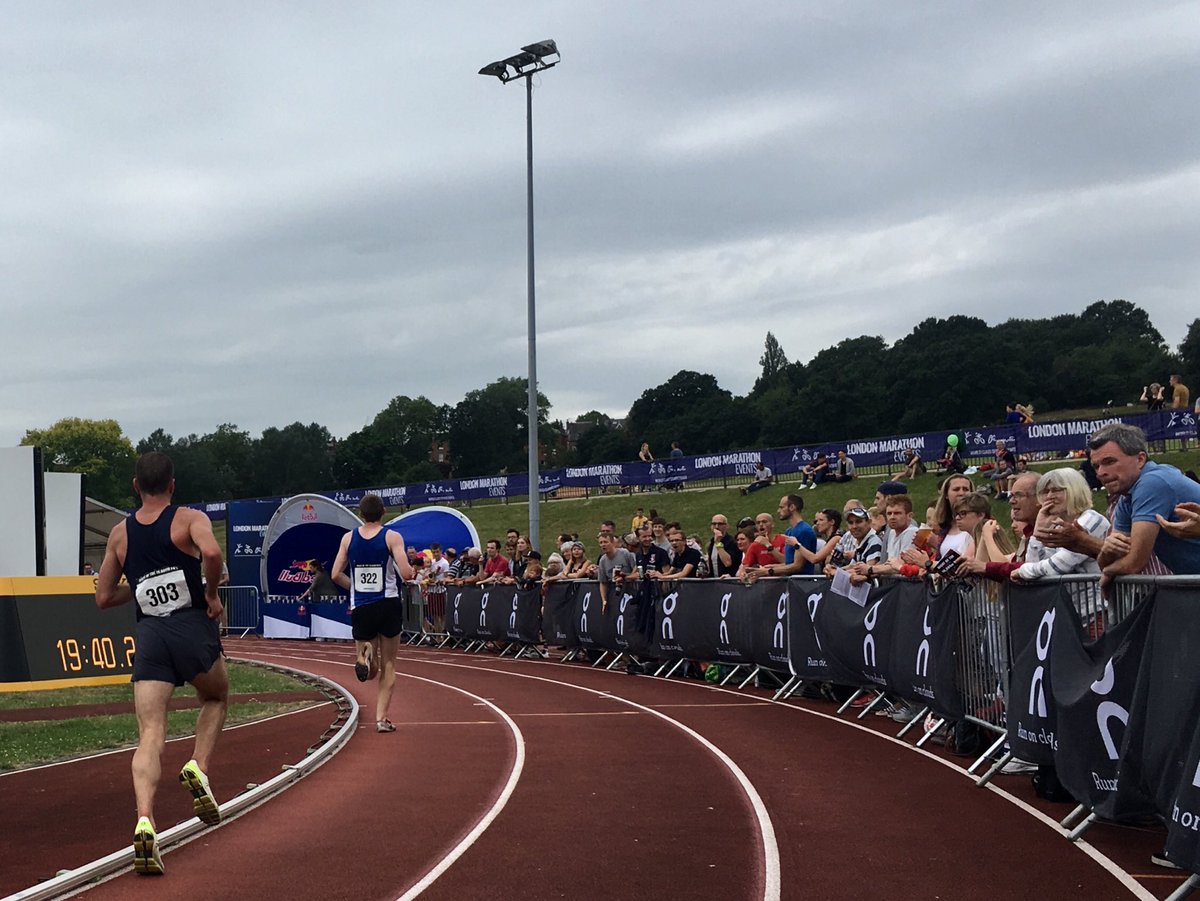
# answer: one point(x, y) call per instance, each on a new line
point(162, 550)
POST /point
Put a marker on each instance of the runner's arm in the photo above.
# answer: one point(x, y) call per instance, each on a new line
point(201, 533)
point(339, 575)
point(395, 543)
point(110, 591)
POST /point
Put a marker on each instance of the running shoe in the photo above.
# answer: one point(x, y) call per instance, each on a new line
point(146, 859)
point(203, 801)
point(385, 726)
point(363, 670)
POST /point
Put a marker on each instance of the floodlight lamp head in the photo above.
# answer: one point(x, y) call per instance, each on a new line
point(521, 62)
point(496, 70)
point(542, 49)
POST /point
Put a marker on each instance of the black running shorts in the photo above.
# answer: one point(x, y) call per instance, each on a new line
point(385, 617)
point(177, 648)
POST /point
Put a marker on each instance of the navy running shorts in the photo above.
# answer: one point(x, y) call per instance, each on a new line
point(176, 648)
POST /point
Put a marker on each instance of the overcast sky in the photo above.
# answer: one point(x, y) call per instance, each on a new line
point(263, 213)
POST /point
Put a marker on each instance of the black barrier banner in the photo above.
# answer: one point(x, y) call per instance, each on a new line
point(479, 613)
point(770, 623)
point(806, 659)
point(1094, 685)
point(614, 630)
point(558, 620)
point(592, 627)
point(923, 663)
point(1183, 818)
point(524, 616)
point(857, 640)
point(1032, 611)
point(1165, 706)
point(712, 620)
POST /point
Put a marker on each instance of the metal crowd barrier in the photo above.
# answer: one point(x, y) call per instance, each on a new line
point(242, 609)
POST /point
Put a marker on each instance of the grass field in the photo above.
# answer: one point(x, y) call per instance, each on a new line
point(694, 507)
point(29, 743)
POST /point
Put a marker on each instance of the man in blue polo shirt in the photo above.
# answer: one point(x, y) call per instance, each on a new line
point(799, 537)
point(1146, 490)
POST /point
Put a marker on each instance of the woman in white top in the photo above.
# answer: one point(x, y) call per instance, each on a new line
point(951, 536)
point(1063, 493)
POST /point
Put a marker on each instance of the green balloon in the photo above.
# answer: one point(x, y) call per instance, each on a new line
point(952, 441)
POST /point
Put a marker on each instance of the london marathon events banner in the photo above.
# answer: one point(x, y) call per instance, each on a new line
point(975, 441)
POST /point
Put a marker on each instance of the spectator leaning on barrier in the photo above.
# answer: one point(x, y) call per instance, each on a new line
point(843, 470)
point(615, 563)
point(813, 474)
point(1062, 494)
point(1147, 490)
point(723, 555)
point(684, 560)
point(1023, 502)
point(897, 537)
point(650, 557)
point(744, 539)
point(798, 534)
point(868, 549)
point(495, 568)
point(774, 545)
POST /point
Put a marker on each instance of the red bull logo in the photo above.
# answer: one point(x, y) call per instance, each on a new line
point(297, 572)
point(308, 512)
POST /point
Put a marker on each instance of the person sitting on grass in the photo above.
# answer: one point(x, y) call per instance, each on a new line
point(813, 474)
point(843, 470)
point(913, 466)
point(762, 478)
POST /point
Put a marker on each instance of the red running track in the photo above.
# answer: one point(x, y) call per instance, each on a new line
point(603, 785)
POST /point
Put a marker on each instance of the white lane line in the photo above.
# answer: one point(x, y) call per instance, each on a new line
point(190, 735)
point(1103, 860)
point(585, 713)
point(770, 846)
point(1108, 864)
point(480, 827)
point(486, 820)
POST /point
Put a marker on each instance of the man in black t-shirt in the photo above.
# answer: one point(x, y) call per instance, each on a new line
point(684, 560)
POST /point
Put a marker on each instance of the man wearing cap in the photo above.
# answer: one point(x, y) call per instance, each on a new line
point(886, 490)
point(868, 549)
point(465, 570)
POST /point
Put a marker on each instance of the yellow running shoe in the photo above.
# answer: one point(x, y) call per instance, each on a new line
point(204, 803)
point(146, 860)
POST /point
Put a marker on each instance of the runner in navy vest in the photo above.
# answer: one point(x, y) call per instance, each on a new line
point(162, 550)
point(367, 564)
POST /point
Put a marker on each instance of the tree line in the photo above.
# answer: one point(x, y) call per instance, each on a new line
point(946, 373)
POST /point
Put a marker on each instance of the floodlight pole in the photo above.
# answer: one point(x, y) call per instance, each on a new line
point(535, 494)
point(533, 59)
